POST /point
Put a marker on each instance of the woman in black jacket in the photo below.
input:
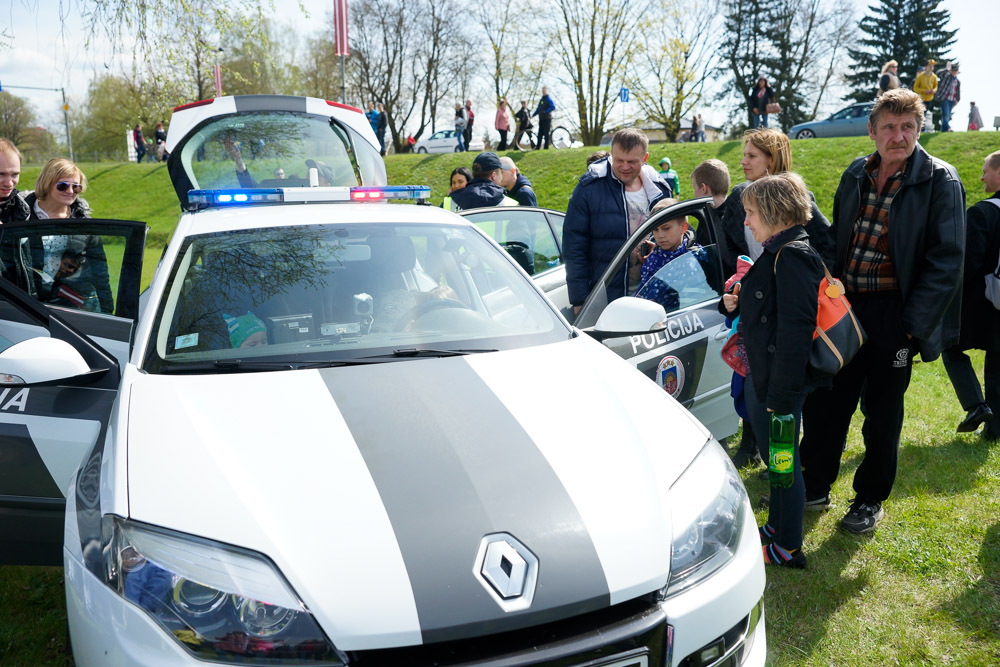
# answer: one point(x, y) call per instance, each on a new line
point(57, 196)
point(760, 96)
point(776, 302)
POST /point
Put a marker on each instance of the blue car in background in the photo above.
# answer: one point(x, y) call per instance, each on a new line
point(850, 121)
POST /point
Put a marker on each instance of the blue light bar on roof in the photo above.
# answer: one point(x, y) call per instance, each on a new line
point(251, 196)
point(235, 197)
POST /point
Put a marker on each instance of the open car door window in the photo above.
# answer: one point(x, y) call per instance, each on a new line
point(68, 299)
point(684, 357)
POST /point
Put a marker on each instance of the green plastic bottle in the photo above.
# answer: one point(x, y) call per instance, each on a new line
point(780, 466)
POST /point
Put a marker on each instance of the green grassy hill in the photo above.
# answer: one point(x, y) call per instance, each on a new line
point(143, 191)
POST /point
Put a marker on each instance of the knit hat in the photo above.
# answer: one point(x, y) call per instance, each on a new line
point(242, 327)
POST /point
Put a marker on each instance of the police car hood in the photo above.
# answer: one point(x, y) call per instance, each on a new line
point(372, 488)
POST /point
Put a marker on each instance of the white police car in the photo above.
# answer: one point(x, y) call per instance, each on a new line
point(351, 433)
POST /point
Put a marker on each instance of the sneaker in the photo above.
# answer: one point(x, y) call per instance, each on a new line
point(817, 503)
point(744, 458)
point(862, 517)
point(775, 555)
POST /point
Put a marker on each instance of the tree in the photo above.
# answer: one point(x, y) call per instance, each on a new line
point(16, 117)
point(745, 47)
point(673, 65)
point(114, 105)
point(907, 31)
point(593, 43)
point(508, 40)
point(250, 67)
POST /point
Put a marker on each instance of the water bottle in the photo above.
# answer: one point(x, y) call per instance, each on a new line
point(780, 468)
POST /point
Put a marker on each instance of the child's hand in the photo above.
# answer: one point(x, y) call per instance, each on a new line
point(730, 301)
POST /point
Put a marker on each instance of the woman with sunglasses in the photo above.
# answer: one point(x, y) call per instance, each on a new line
point(57, 196)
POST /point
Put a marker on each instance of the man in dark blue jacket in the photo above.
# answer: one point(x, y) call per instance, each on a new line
point(544, 112)
point(899, 226)
point(610, 202)
point(516, 185)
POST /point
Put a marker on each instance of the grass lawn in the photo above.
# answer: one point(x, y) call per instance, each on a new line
point(923, 589)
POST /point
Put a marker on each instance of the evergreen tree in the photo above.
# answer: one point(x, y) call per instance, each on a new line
point(907, 31)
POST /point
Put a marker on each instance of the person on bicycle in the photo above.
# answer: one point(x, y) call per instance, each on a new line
point(523, 118)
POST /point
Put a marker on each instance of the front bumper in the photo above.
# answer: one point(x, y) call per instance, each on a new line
point(718, 623)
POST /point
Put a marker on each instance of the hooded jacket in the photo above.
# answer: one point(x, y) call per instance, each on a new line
point(523, 192)
point(480, 193)
point(596, 226)
point(926, 243)
point(14, 208)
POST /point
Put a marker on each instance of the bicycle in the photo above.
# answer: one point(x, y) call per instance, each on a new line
point(559, 137)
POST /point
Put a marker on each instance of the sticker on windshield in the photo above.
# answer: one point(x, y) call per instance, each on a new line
point(187, 340)
point(670, 375)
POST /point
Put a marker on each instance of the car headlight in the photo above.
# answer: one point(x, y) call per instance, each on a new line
point(707, 511)
point(221, 603)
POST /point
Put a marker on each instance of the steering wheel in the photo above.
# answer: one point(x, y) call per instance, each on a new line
point(428, 306)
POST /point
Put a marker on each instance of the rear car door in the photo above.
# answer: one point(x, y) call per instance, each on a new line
point(533, 237)
point(684, 358)
point(76, 282)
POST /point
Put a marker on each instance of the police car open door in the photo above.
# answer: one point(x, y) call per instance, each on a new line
point(69, 298)
point(684, 358)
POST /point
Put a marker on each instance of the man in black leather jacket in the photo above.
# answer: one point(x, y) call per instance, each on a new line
point(899, 225)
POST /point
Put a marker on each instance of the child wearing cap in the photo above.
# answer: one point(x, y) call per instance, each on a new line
point(672, 240)
point(246, 330)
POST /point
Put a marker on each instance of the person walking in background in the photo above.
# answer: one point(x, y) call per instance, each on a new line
point(516, 184)
point(693, 135)
point(544, 112)
point(980, 319)
point(12, 205)
point(760, 96)
point(139, 142)
point(888, 80)
point(948, 94)
point(701, 129)
point(670, 176)
point(470, 118)
point(899, 225)
point(381, 127)
point(779, 310)
point(610, 201)
point(161, 142)
point(926, 84)
point(461, 120)
point(523, 118)
point(502, 124)
point(372, 117)
point(975, 120)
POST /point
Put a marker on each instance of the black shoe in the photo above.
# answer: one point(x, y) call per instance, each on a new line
point(817, 503)
point(862, 517)
point(976, 416)
point(744, 458)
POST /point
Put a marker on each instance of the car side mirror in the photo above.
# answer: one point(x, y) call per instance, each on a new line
point(630, 316)
point(41, 361)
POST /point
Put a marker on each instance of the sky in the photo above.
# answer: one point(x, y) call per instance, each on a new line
point(47, 52)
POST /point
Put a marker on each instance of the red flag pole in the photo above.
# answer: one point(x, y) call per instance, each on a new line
point(341, 43)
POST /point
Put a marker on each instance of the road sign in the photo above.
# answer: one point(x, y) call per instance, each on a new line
point(624, 94)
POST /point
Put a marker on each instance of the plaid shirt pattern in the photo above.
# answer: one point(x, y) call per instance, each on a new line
point(869, 266)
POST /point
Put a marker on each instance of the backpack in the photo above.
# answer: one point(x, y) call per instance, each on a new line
point(838, 335)
point(993, 279)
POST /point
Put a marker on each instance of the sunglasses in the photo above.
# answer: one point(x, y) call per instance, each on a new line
point(63, 186)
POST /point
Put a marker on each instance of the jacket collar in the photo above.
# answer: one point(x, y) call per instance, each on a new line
point(796, 233)
point(602, 169)
point(919, 166)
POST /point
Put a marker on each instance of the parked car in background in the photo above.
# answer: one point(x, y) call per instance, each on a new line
point(445, 141)
point(850, 121)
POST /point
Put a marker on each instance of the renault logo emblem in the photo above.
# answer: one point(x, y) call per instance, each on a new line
point(507, 570)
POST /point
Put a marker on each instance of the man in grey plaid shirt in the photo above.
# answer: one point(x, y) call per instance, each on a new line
point(899, 224)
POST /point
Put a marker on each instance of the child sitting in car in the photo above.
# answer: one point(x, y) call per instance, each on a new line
point(672, 239)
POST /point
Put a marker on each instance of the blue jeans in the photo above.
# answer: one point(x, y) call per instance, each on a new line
point(786, 505)
point(946, 107)
point(759, 120)
point(461, 145)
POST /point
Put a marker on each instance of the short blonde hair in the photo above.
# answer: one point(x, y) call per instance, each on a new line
point(782, 198)
point(8, 148)
point(55, 170)
point(993, 160)
point(775, 144)
point(898, 102)
point(662, 204)
point(713, 173)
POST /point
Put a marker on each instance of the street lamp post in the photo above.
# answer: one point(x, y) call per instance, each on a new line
point(65, 106)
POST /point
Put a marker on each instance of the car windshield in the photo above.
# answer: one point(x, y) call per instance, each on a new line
point(270, 149)
point(351, 293)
